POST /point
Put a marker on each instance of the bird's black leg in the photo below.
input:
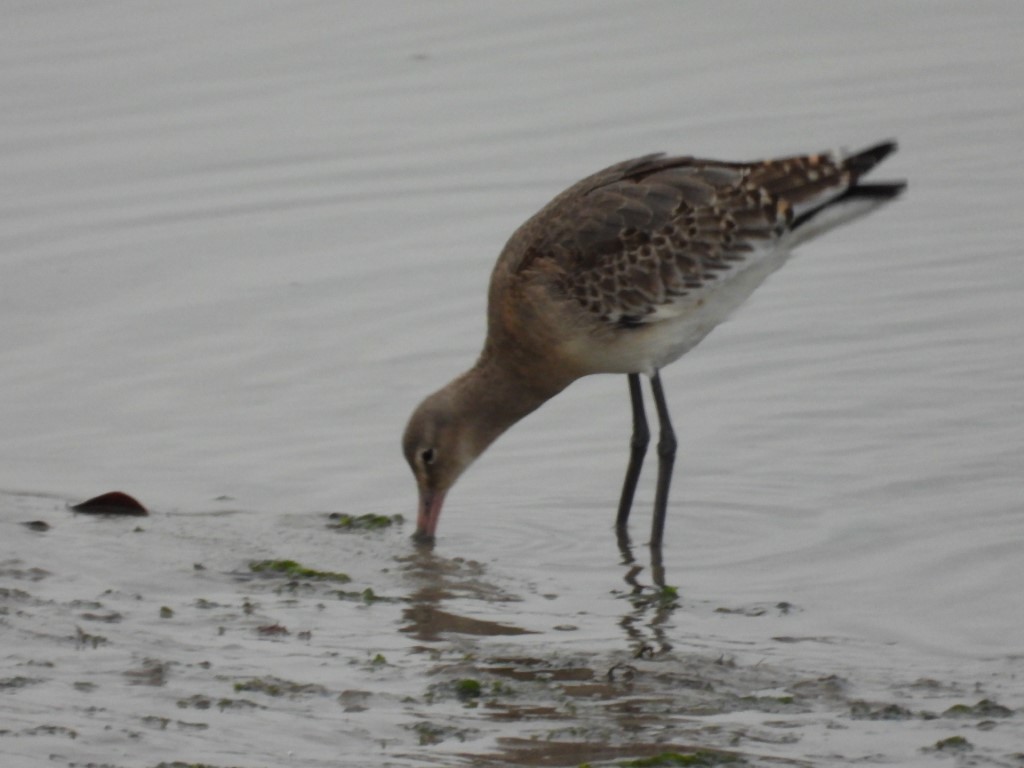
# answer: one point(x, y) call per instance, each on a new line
point(666, 458)
point(637, 451)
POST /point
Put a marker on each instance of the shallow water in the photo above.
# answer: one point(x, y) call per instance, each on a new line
point(239, 243)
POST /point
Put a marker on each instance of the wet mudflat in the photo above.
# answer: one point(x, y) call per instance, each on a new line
point(167, 641)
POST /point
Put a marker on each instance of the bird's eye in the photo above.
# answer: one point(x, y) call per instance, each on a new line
point(428, 456)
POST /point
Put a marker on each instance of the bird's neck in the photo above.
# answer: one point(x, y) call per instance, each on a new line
point(496, 393)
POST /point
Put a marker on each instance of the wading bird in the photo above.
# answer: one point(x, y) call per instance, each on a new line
point(624, 272)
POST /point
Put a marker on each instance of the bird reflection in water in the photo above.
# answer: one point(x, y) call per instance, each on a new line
point(439, 580)
point(652, 604)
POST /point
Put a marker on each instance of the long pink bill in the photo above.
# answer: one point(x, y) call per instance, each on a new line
point(428, 515)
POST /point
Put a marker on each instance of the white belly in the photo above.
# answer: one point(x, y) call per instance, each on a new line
point(677, 327)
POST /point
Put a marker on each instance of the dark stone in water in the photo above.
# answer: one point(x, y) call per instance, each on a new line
point(113, 503)
point(37, 525)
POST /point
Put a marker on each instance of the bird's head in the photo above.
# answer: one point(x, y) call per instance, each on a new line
point(438, 444)
point(453, 426)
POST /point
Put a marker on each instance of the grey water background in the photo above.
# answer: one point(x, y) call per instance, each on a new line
point(240, 241)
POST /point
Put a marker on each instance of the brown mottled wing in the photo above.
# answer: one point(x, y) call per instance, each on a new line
point(647, 232)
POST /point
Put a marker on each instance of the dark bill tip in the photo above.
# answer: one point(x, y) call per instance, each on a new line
point(427, 516)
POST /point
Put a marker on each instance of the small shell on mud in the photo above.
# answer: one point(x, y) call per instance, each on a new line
point(113, 503)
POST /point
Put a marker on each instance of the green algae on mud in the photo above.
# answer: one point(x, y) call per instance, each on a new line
point(294, 570)
point(468, 689)
point(983, 709)
point(300, 577)
point(952, 745)
point(340, 521)
point(862, 710)
point(275, 686)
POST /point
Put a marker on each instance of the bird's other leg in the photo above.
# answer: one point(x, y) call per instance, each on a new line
point(657, 567)
point(666, 458)
point(637, 451)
